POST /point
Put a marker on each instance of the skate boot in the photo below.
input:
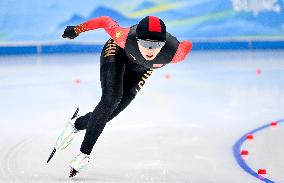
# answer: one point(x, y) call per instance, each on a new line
point(78, 163)
point(66, 136)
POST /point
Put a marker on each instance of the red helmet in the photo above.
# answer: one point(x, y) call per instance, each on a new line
point(151, 28)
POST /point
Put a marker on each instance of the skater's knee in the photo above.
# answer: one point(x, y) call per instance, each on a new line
point(82, 121)
point(111, 101)
point(78, 125)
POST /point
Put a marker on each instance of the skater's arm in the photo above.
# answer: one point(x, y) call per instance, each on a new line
point(117, 33)
point(182, 51)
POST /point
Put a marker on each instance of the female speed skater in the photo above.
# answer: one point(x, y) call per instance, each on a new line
point(127, 60)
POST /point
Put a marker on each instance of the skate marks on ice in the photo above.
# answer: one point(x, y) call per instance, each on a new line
point(24, 160)
point(21, 161)
point(8, 162)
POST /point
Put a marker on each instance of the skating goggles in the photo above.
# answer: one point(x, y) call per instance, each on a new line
point(151, 44)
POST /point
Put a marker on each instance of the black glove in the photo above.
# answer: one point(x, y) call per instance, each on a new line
point(69, 32)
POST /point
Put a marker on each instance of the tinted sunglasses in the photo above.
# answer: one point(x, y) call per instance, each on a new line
point(151, 44)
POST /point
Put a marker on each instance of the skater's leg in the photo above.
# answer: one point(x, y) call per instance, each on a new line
point(132, 83)
point(130, 88)
point(112, 86)
point(82, 122)
point(110, 54)
point(125, 101)
point(111, 74)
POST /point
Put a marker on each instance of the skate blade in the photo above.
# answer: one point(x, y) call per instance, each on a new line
point(51, 155)
point(75, 114)
point(73, 173)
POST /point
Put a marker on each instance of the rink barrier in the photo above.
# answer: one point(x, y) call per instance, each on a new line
point(57, 48)
point(237, 149)
point(50, 49)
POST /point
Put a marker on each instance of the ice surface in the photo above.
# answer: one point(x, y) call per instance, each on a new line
point(180, 129)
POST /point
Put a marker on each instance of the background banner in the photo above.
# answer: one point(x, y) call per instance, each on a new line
point(41, 21)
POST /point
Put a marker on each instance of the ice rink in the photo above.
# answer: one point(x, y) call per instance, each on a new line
point(181, 128)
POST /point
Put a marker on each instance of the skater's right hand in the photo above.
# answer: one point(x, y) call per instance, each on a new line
point(69, 32)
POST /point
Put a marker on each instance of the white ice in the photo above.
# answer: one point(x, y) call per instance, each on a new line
point(180, 129)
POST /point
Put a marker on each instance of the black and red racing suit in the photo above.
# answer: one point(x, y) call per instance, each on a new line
point(123, 72)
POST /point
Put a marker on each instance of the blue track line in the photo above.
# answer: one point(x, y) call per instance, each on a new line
point(237, 149)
